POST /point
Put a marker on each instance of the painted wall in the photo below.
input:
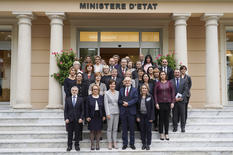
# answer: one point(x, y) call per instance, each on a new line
point(40, 59)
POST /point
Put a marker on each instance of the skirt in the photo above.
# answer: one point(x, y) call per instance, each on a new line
point(96, 123)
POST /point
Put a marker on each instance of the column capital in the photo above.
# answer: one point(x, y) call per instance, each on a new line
point(24, 17)
point(180, 18)
point(56, 15)
point(211, 18)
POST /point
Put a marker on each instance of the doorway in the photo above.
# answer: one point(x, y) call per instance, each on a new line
point(107, 53)
point(5, 66)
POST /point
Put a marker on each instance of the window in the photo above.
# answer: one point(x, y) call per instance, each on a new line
point(119, 37)
point(150, 36)
point(88, 36)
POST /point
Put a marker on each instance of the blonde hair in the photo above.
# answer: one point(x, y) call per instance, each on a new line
point(95, 85)
point(146, 88)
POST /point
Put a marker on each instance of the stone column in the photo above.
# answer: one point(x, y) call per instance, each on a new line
point(181, 37)
point(212, 61)
point(23, 86)
point(56, 45)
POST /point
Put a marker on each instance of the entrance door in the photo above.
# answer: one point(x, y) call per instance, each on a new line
point(107, 53)
point(5, 66)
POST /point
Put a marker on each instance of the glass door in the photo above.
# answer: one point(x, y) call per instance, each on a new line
point(5, 65)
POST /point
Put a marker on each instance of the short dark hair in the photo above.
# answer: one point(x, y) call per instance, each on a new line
point(112, 81)
point(183, 67)
point(141, 69)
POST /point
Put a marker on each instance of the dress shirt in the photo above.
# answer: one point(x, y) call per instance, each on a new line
point(126, 90)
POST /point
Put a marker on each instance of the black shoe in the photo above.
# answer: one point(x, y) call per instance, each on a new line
point(148, 147)
point(124, 147)
point(143, 147)
point(77, 148)
point(69, 149)
point(101, 138)
point(183, 130)
point(167, 137)
point(174, 129)
point(132, 147)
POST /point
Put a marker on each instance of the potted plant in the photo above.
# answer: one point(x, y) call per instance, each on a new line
point(65, 60)
point(170, 59)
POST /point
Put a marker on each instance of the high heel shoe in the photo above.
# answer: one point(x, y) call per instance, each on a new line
point(161, 137)
point(166, 137)
point(110, 146)
point(115, 145)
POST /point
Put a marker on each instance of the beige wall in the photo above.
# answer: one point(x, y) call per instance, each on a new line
point(196, 58)
point(40, 59)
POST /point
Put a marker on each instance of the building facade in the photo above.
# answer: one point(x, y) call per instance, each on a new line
point(199, 32)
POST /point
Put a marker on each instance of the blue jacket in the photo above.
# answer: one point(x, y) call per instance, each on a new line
point(132, 99)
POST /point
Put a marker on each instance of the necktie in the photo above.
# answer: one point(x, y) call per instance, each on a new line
point(73, 101)
point(127, 91)
point(177, 84)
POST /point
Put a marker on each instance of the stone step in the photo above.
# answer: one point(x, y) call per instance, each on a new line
point(32, 120)
point(60, 112)
point(128, 151)
point(60, 120)
point(32, 113)
point(63, 135)
point(209, 119)
point(210, 112)
point(62, 143)
point(60, 127)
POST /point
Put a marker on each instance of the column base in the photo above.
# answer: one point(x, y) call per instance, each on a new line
point(22, 106)
point(54, 106)
point(213, 106)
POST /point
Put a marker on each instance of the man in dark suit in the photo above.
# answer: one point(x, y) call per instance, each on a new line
point(178, 111)
point(73, 115)
point(167, 69)
point(135, 73)
point(128, 97)
point(122, 68)
point(114, 77)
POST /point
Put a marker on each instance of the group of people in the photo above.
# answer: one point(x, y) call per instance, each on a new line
point(124, 96)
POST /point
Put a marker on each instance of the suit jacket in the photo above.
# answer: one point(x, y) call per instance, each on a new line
point(150, 106)
point(90, 106)
point(74, 113)
point(88, 81)
point(118, 82)
point(189, 83)
point(135, 74)
point(120, 72)
point(170, 72)
point(183, 88)
point(132, 99)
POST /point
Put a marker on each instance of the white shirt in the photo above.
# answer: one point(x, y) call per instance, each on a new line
point(96, 106)
point(165, 69)
point(96, 103)
point(126, 90)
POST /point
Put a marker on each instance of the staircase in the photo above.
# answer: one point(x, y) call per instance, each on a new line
point(208, 131)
